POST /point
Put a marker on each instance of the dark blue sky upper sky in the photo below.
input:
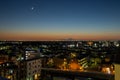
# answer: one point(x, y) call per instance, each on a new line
point(60, 17)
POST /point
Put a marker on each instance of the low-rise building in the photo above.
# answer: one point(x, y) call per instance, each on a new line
point(30, 69)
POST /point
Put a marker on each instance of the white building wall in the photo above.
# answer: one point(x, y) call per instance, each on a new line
point(33, 67)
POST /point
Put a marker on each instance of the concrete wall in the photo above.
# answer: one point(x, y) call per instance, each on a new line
point(32, 66)
point(117, 71)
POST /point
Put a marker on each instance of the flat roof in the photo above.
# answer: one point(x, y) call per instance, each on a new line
point(78, 73)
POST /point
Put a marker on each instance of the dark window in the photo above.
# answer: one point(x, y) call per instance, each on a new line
point(29, 63)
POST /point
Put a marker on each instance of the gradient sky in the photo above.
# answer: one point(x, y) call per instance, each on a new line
point(59, 19)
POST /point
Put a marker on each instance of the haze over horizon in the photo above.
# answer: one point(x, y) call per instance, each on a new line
point(59, 19)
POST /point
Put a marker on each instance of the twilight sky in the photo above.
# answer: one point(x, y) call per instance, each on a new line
point(59, 19)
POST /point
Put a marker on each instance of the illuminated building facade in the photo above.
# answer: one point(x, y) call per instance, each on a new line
point(30, 69)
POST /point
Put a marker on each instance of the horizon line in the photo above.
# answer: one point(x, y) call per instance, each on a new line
point(58, 40)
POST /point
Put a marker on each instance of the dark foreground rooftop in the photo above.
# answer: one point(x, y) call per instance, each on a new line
point(72, 74)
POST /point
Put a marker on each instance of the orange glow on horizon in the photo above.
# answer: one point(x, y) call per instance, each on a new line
point(53, 36)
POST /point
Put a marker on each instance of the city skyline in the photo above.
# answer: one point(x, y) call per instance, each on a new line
point(59, 19)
